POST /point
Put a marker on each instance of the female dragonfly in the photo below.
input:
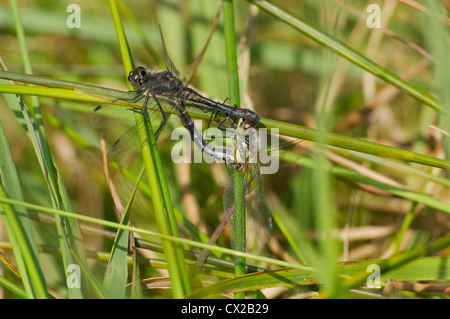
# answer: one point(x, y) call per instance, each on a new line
point(251, 197)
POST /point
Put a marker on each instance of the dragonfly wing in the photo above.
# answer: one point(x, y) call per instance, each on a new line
point(258, 209)
point(107, 116)
point(126, 141)
point(169, 64)
point(228, 207)
point(132, 137)
point(229, 203)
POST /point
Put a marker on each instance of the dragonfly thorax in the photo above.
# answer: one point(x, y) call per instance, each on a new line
point(160, 83)
point(165, 83)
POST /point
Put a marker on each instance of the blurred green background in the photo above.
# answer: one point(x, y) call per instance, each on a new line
point(284, 76)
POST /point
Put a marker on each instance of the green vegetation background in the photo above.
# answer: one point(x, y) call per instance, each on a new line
point(303, 69)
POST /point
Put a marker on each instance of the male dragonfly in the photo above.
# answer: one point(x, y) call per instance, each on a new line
point(175, 85)
point(160, 89)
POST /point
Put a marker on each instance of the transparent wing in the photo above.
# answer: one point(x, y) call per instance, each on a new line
point(257, 207)
point(107, 116)
point(229, 209)
point(169, 64)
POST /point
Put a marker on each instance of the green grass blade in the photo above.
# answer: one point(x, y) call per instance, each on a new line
point(439, 45)
point(346, 52)
point(154, 173)
point(68, 230)
point(425, 268)
point(116, 274)
point(137, 26)
point(165, 213)
point(231, 52)
point(323, 201)
point(184, 241)
point(122, 39)
point(233, 86)
point(18, 225)
point(8, 285)
point(324, 223)
point(356, 177)
point(354, 144)
point(285, 128)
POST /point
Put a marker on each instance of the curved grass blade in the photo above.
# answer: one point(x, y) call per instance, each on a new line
point(18, 225)
point(19, 292)
point(69, 233)
point(184, 241)
point(164, 212)
point(347, 53)
point(117, 269)
point(285, 128)
point(354, 144)
point(233, 87)
point(255, 206)
point(293, 278)
point(121, 37)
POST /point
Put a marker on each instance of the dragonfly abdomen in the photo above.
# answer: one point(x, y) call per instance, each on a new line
point(233, 111)
point(220, 154)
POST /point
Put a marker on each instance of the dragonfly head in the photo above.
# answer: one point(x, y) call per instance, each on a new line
point(136, 77)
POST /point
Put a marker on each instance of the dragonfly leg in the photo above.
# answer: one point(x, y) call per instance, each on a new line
point(209, 125)
point(221, 126)
point(221, 123)
point(144, 107)
point(227, 118)
point(204, 110)
point(144, 111)
point(162, 113)
point(136, 97)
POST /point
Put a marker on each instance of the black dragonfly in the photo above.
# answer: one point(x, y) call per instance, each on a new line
point(160, 89)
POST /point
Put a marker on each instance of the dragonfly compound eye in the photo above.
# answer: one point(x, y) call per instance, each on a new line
point(132, 76)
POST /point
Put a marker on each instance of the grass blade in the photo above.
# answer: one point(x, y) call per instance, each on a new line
point(164, 210)
point(82, 93)
point(18, 225)
point(68, 230)
point(346, 52)
point(116, 274)
point(233, 86)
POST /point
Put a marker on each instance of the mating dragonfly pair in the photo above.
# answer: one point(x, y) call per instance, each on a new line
point(166, 89)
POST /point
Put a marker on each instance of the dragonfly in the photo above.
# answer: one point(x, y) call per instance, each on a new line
point(166, 89)
point(109, 116)
point(246, 155)
point(174, 84)
point(252, 198)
